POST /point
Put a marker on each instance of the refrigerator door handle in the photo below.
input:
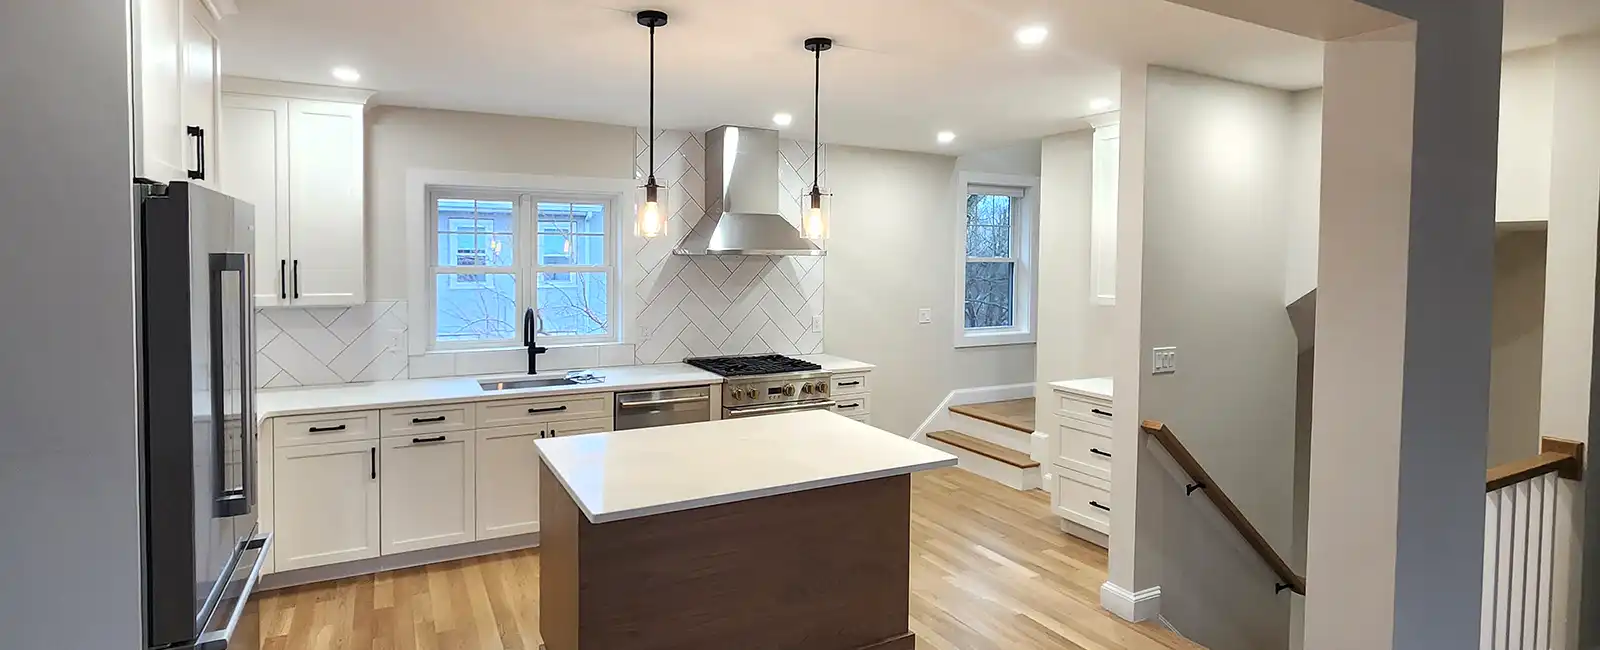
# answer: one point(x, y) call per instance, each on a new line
point(228, 502)
point(218, 639)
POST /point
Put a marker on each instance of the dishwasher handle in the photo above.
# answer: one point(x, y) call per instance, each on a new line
point(651, 403)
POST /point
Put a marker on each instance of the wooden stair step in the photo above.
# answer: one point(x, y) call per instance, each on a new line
point(1012, 413)
point(985, 448)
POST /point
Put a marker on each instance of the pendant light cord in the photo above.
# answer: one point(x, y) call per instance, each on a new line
point(652, 134)
point(816, 137)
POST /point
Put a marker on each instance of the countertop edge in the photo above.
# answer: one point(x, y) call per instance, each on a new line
point(580, 389)
point(1064, 386)
point(747, 495)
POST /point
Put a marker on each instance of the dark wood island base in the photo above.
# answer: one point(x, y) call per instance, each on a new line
point(822, 569)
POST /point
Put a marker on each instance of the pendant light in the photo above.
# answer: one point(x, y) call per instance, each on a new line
point(651, 222)
point(814, 225)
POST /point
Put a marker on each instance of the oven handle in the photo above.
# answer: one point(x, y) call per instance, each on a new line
point(764, 410)
point(664, 402)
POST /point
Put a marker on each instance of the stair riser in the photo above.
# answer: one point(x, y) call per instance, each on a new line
point(1014, 477)
point(1004, 436)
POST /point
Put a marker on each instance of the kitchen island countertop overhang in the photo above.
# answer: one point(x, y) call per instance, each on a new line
point(629, 474)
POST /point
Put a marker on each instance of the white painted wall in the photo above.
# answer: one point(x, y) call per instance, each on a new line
point(69, 466)
point(1305, 192)
point(1074, 333)
point(1527, 115)
point(891, 253)
point(1216, 178)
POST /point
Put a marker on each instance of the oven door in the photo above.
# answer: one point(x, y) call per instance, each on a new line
point(730, 413)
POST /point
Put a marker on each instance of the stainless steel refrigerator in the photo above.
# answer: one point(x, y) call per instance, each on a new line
point(202, 553)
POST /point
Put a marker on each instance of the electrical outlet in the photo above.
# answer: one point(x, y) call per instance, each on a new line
point(816, 324)
point(924, 316)
point(1163, 361)
point(644, 333)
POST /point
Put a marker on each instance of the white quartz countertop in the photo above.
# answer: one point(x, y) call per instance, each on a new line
point(1095, 387)
point(278, 402)
point(643, 472)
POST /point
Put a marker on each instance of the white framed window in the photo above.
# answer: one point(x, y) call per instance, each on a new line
point(493, 253)
point(996, 248)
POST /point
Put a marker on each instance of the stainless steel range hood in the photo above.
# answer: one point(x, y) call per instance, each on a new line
point(742, 199)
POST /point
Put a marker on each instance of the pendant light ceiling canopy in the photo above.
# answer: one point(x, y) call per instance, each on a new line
point(814, 225)
point(651, 220)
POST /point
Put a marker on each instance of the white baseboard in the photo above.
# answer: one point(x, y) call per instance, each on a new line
point(939, 419)
point(1131, 606)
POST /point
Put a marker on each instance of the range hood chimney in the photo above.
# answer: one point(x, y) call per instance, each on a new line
point(742, 199)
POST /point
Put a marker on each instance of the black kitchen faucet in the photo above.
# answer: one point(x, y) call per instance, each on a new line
point(530, 323)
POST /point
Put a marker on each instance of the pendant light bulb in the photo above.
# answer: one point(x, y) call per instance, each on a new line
point(814, 223)
point(651, 220)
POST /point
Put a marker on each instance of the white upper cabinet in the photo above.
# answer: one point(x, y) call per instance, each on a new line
point(300, 162)
point(178, 92)
point(1103, 214)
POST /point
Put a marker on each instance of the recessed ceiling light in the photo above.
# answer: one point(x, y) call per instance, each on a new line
point(783, 119)
point(1100, 104)
point(946, 137)
point(346, 74)
point(1032, 35)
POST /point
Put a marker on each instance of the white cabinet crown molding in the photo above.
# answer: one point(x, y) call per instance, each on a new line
point(253, 86)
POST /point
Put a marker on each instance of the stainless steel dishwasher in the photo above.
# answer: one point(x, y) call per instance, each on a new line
point(657, 408)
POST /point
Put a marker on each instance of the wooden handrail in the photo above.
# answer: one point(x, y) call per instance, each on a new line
point(1229, 511)
point(1561, 457)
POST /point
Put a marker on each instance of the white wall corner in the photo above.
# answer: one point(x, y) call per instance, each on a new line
point(1138, 606)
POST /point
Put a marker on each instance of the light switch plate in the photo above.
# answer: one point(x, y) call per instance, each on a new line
point(816, 324)
point(924, 316)
point(1163, 361)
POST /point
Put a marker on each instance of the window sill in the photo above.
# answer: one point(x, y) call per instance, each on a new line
point(995, 339)
point(521, 348)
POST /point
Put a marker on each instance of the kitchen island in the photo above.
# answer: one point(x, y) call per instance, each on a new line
point(777, 532)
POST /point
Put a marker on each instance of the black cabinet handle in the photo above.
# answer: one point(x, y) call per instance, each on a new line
point(283, 279)
point(1097, 452)
point(1100, 412)
point(199, 136)
point(374, 451)
point(1097, 505)
point(849, 383)
point(849, 406)
point(325, 429)
point(552, 432)
point(424, 441)
point(297, 279)
point(556, 409)
point(541, 433)
point(427, 420)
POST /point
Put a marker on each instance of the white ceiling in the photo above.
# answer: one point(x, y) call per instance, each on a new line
point(904, 69)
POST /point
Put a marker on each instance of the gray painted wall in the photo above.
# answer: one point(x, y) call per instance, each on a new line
point(69, 553)
point(1515, 360)
point(1215, 164)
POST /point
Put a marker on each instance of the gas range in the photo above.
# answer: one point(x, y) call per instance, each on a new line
point(768, 384)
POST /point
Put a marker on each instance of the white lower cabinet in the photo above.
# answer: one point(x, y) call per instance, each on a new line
point(508, 480)
point(429, 491)
point(325, 504)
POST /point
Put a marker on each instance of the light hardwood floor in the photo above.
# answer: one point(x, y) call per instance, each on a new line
point(989, 570)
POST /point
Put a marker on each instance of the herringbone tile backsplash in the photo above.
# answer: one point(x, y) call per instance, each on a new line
point(675, 306)
point(705, 305)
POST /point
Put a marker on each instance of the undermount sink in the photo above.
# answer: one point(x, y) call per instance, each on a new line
point(518, 384)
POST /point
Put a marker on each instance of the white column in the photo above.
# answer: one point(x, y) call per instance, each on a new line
point(1394, 557)
point(1132, 590)
point(1565, 389)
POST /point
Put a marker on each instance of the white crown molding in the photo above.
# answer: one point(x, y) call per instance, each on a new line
point(1138, 606)
point(1104, 120)
point(253, 86)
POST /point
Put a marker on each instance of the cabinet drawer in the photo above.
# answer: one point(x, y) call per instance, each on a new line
point(1082, 500)
point(1093, 410)
point(853, 405)
point(580, 427)
point(542, 409)
point(322, 428)
point(849, 385)
point(428, 419)
point(1083, 448)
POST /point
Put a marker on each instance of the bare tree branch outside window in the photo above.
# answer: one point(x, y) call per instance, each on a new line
point(991, 267)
